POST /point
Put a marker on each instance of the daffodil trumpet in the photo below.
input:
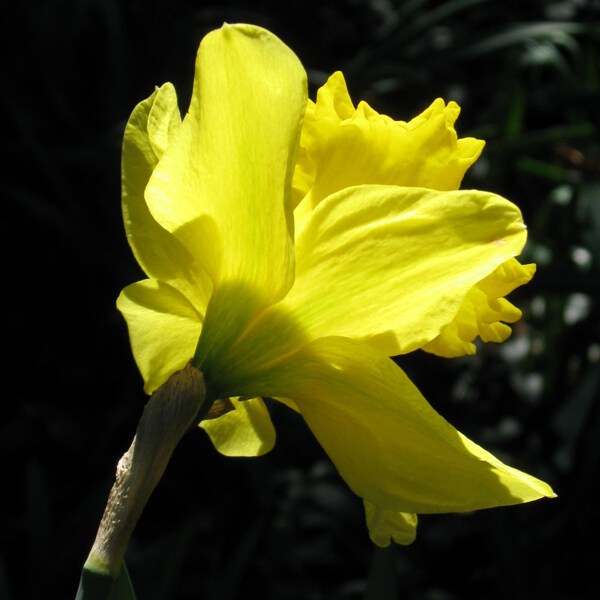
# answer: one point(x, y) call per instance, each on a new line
point(292, 247)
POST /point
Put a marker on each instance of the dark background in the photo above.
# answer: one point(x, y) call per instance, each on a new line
point(284, 527)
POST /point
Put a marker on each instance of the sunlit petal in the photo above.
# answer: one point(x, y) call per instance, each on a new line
point(245, 431)
point(163, 328)
point(392, 265)
point(387, 442)
point(149, 131)
point(223, 186)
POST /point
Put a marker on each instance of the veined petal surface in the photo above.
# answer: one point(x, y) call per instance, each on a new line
point(386, 441)
point(151, 128)
point(246, 430)
point(223, 187)
point(392, 265)
point(163, 328)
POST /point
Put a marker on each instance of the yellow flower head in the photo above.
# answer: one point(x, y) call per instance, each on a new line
point(291, 247)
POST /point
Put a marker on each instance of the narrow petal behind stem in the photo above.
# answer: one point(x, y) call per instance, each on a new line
point(170, 412)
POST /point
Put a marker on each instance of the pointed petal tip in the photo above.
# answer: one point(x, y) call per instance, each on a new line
point(549, 492)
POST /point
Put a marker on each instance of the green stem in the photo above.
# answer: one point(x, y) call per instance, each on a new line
point(382, 583)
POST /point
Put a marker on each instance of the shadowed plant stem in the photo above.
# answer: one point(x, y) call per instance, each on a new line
point(382, 583)
point(172, 409)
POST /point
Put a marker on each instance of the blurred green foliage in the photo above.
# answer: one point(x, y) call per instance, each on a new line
point(284, 526)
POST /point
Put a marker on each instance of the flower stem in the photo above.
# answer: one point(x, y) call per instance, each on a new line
point(173, 408)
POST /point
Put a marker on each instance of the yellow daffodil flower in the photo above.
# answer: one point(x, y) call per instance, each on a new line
point(291, 247)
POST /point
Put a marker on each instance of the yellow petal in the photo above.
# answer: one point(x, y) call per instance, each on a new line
point(149, 131)
point(164, 328)
point(482, 312)
point(392, 265)
point(289, 403)
point(245, 431)
point(223, 185)
point(387, 442)
point(386, 526)
point(342, 147)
